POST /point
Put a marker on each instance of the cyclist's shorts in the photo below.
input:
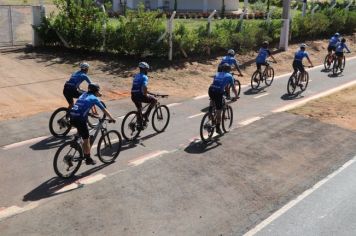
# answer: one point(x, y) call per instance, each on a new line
point(139, 98)
point(258, 65)
point(81, 126)
point(339, 54)
point(331, 48)
point(298, 65)
point(217, 98)
point(71, 92)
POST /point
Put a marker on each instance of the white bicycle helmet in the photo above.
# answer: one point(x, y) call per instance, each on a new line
point(84, 65)
point(303, 45)
point(231, 52)
point(143, 65)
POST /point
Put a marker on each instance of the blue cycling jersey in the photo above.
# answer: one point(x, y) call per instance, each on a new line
point(221, 80)
point(333, 41)
point(77, 78)
point(262, 55)
point(139, 81)
point(340, 47)
point(229, 60)
point(84, 103)
point(300, 55)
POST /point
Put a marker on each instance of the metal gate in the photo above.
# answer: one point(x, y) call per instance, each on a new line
point(15, 25)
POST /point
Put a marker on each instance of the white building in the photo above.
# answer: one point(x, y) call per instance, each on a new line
point(182, 5)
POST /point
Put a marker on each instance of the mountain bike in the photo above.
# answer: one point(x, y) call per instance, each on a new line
point(132, 126)
point(267, 76)
point(337, 67)
point(59, 123)
point(69, 155)
point(237, 87)
point(328, 61)
point(295, 80)
point(208, 122)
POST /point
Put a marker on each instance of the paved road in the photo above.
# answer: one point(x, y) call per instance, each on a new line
point(167, 196)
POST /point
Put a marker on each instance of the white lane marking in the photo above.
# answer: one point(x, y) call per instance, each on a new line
point(319, 95)
point(142, 159)
point(201, 96)
point(120, 117)
point(196, 115)
point(19, 144)
point(250, 121)
point(295, 201)
point(262, 95)
point(81, 182)
point(174, 104)
point(14, 210)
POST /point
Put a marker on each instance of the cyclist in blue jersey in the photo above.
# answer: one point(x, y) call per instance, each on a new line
point(71, 87)
point(79, 117)
point(298, 60)
point(262, 56)
point(217, 89)
point(231, 60)
point(339, 51)
point(332, 43)
point(140, 93)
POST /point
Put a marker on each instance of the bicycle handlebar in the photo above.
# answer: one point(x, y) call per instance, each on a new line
point(159, 95)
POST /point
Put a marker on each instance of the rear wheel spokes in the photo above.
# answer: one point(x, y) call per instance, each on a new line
point(292, 83)
point(59, 124)
point(207, 127)
point(109, 146)
point(255, 80)
point(160, 118)
point(68, 159)
point(130, 127)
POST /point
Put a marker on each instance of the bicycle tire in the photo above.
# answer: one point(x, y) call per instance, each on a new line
point(108, 141)
point(335, 66)
point(343, 62)
point(228, 116)
point(132, 125)
point(93, 120)
point(158, 113)
point(237, 86)
point(306, 78)
point(292, 84)
point(255, 82)
point(206, 124)
point(326, 64)
point(78, 160)
point(270, 74)
point(63, 124)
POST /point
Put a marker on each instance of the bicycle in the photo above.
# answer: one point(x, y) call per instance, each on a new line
point(208, 122)
point(267, 75)
point(69, 155)
point(329, 59)
point(237, 85)
point(294, 81)
point(336, 65)
point(59, 122)
point(132, 126)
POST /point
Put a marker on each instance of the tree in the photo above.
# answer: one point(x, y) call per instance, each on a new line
point(175, 5)
point(223, 8)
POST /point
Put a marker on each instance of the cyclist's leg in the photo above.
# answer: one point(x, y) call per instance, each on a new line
point(68, 94)
point(136, 99)
point(152, 101)
point(295, 67)
point(218, 100)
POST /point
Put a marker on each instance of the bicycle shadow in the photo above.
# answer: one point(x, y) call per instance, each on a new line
point(325, 70)
point(253, 91)
point(134, 143)
point(51, 187)
point(287, 97)
point(201, 147)
point(332, 75)
point(49, 143)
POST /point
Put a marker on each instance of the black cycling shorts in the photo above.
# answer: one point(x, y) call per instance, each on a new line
point(258, 65)
point(139, 98)
point(217, 98)
point(70, 92)
point(339, 54)
point(81, 126)
point(331, 48)
point(298, 65)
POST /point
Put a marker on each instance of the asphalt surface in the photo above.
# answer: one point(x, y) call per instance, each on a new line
point(168, 183)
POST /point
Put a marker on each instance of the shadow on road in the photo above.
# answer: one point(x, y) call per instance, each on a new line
point(332, 75)
point(201, 147)
point(49, 187)
point(295, 96)
point(49, 143)
point(252, 91)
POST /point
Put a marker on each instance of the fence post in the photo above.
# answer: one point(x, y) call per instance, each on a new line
point(209, 21)
point(314, 9)
point(38, 12)
point(348, 5)
point(170, 31)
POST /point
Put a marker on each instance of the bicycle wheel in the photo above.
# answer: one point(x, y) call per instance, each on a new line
point(237, 86)
point(206, 128)
point(327, 62)
point(255, 80)
point(109, 146)
point(227, 118)
point(130, 126)
point(59, 124)
point(292, 83)
point(68, 159)
point(269, 76)
point(335, 66)
point(343, 63)
point(94, 115)
point(160, 118)
point(305, 82)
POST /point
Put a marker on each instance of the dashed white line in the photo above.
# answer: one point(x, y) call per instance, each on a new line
point(196, 115)
point(174, 104)
point(142, 159)
point(22, 143)
point(250, 121)
point(262, 95)
point(201, 96)
point(14, 210)
point(120, 117)
point(294, 202)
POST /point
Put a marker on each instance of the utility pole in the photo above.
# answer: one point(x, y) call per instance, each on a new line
point(283, 43)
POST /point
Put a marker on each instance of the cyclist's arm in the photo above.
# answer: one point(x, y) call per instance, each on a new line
point(233, 86)
point(106, 112)
point(348, 50)
point(237, 68)
point(273, 58)
point(311, 64)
